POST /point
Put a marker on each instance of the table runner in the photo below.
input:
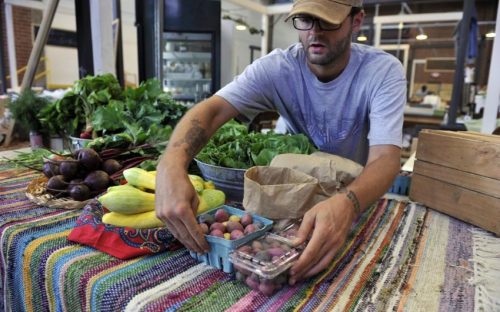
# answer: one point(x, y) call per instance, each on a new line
point(399, 256)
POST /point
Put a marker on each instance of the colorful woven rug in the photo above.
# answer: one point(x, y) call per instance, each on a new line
point(399, 257)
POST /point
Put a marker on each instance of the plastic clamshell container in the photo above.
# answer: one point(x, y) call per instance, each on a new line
point(287, 230)
point(220, 248)
point(264, 263)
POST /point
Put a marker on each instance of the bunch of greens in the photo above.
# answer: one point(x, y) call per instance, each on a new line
point(234, 147)
point(25, 109)
point(73, 113)
point(33, 159)
point(141, 108)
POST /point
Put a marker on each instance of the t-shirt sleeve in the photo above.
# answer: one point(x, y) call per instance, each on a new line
point(387, 108)
point(251, 92)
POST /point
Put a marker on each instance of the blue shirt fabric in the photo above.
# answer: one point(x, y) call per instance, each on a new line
point(362, 107)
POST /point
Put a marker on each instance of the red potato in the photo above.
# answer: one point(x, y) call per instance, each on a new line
point(219, 226)
point(221, 215)
point(245, 249)
point(233, 225)
point(276, 252)
point(256, 246)
point(236, 234)
point(217, 233)
point(249, 229)
point(246, 219)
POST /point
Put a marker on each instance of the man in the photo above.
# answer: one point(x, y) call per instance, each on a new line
point(347, 98)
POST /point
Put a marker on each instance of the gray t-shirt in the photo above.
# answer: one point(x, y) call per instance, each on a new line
point(363, 106)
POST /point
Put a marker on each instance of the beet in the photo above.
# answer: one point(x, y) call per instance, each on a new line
point(68, 169)
point(89, 159)
point(97, 180)
point(79, 192)
point(75, 182)
point(111, 166)
point(50, 169)
point(56, 185)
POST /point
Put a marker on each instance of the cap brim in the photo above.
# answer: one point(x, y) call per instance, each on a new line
point(329, 11)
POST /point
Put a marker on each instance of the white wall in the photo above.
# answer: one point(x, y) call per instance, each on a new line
point(62, 63)
point(62, 66)
point(237, 41)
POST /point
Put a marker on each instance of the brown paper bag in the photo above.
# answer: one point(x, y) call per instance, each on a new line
point(293, 183)
point(278, 193)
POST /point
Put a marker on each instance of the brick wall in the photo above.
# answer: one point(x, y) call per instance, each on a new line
point(23, 35)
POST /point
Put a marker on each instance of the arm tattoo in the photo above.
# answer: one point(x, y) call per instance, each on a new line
point(195, 138)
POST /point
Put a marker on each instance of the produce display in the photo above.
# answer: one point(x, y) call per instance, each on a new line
point(263, 264)
point(79, 176)
point(133, 204)
point(97, 106)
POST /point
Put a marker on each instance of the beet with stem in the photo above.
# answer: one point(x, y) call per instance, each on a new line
point(89, 159)
point(97, 180)
point(79, 192)
point(69, 169)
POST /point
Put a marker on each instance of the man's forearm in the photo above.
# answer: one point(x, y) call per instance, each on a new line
point(377, 176)
point(195, 129)
point(187, 140)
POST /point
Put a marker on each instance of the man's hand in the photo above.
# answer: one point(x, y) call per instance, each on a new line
point(176, 204)
point(329, 223)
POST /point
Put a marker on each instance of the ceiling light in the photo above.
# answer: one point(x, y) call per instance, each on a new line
point(362, 37)
point(421, 35)
point(490, 34)
point(240, 27)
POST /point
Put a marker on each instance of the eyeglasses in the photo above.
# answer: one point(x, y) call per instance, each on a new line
point(307, 23)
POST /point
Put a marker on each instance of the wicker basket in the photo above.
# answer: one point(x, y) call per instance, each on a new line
point(36, 192)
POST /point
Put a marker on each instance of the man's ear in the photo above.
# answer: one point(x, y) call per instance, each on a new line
point(357, 21)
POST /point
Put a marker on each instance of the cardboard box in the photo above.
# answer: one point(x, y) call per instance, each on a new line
point(458, 173)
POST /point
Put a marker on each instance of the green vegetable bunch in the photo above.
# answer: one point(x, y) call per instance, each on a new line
point(234, 147)
point(25, 109)
point(141, 107)
point(72, 114)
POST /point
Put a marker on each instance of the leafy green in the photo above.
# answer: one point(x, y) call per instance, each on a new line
point(233, 146)
point(142, 107)
point(73, 112)
point(25, 108)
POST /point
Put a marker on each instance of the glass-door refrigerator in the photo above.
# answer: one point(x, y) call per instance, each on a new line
point(187, 61)
point(179, 44)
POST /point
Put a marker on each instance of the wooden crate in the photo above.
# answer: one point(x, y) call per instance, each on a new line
point(458, 173)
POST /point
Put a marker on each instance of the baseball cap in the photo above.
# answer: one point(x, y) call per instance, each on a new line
point(332, 11)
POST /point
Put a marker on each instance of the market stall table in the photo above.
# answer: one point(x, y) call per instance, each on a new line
point(399, 256)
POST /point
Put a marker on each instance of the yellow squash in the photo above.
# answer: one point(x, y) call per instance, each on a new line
point(140, 178)
point(210, 199)
point(145, 220)
point(128, 201)
point(197, 181)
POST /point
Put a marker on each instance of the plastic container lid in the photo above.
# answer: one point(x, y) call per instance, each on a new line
point(268, 262)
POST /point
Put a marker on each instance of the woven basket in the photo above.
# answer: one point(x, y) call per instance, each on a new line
point(37, 193)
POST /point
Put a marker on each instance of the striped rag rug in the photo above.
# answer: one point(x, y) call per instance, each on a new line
point(399, 256)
